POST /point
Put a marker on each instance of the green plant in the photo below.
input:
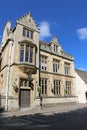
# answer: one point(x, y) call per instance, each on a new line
point(15, 87)
point(39, 89)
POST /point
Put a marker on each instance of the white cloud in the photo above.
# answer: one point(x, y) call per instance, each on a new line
point(84, 69)
point(82, 33)
point(44, 30)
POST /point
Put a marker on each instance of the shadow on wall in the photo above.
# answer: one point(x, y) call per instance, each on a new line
point(1, 108)
point(0, 100)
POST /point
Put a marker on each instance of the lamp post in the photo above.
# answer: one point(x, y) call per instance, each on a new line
point(40, 96)
point(65, 91)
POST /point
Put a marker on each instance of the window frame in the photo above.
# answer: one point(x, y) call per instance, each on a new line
point(43, 85)
point(67, 68)
point(57, 87)
point(55, 48)
point(43, 63)
point(56, 65)
point(68, 85)
point(27, 33)
point(28, 55)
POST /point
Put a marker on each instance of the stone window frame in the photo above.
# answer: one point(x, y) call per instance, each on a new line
point(27, 33)
point(56, 65)
point(43, 63)
point(57, 87)
point(24, 53)
point(55, 48)
point(68, 88)
point(43, 85)
point(67, 68)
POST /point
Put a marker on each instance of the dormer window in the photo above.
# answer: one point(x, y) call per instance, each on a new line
point(55, 48)
point(27, 33)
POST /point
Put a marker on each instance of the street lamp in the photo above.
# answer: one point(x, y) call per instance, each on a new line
point(65, 91)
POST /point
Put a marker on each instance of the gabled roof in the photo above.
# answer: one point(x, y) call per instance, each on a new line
point(28, 21)
point(55, 40)
point(82, 74)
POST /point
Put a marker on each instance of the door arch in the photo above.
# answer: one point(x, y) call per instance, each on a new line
point(24, 101)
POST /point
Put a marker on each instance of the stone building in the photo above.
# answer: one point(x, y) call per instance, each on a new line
point(30, 68)
point(81, 86)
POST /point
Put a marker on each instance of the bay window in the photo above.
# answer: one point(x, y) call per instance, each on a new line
point(26, 53)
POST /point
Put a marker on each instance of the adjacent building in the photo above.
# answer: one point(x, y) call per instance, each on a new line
point(30, 68)
point(81, 86)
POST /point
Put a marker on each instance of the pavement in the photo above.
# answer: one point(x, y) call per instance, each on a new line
point(46, 110)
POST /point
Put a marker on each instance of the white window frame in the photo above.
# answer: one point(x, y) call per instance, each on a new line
point(43, 63)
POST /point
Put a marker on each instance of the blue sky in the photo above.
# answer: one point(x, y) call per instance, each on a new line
point(67, 19)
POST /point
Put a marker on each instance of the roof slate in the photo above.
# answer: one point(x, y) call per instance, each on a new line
point(82, 74)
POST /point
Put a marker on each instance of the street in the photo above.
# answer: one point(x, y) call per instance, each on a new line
point(73, 120)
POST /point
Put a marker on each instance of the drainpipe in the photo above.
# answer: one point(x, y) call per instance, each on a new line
point(8, 73)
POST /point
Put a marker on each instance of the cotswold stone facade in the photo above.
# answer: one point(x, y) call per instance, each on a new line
point(30, 68)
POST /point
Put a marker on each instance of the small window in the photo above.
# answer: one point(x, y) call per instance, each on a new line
point(24, 32)
point(56, 65)
point(67, 68)
point(43, 63)
point(27, 33)
point(55, 48)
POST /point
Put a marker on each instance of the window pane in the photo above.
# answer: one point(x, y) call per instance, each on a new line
point(57, 90)
point(43, 63)
point(24, 32)
point(22, 53)
point(56, 65)
point(43, 84)
point(31, 34)
point(27, 53)
point(31, 54)
point(27, 33)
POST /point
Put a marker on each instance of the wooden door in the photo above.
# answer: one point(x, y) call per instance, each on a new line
point(24, 98)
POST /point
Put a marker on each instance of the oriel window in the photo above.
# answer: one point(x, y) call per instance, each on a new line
point(26, 53)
